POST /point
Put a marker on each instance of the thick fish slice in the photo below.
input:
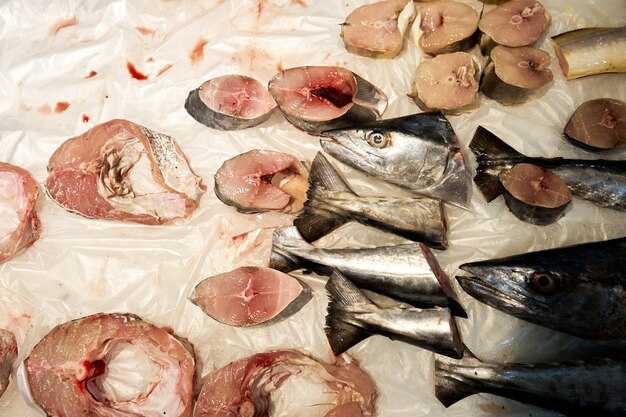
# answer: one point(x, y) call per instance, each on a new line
point(388, 150)
point(352, 317)
point(119, 170)
point(252, 387)
point(249, 296)
point(447, 82)
point(8, 353)
point(598, 124)
point(377, 30)
point(65, 369)
point(318, 98)
point(534, 194)
point(591, 51)
point(447, 26)
point(20, 226)
point(600, 181)
point(230, 102)
point(579, 388)
point(258, 181)
point(576, 289)
point(409, 273)
point(515, 23)
point(516, 75)
point(331, 203)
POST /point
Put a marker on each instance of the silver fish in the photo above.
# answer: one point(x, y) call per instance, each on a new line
point(353, 317)
point(420, 152)
point(578, 388)
point(577, 289)
point(409, 272)
point(331, 203)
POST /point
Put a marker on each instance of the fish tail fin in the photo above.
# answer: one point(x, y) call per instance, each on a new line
point(450, 384)
point(341, 328)
point(492, 154)
point(316, 220)
point(450, 391)
point(284, 240)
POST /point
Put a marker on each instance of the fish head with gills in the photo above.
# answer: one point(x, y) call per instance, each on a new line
point(420, 152)
point(582, 296)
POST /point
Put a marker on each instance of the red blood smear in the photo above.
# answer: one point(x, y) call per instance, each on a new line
point(262, 361)
point(333, 95)
point(91, 74)
point(61, 106)
point(85, 118)
point(134, 73)
point(94, 370)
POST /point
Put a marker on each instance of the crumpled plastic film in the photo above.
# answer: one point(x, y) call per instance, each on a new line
point(79, 53)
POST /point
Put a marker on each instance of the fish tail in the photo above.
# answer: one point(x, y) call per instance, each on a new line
point(492, 154)
point(342, 328)
point(316, 220)
point(284, 240)
point(451, 386)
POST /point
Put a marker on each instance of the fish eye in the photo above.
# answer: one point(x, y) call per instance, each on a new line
point(544, 282)
point(377, 139)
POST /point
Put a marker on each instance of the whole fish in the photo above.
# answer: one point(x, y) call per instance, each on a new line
point(600, 181)
point(409, 272)
point(353, 317)
point(8, 353)
point(595, 387)
point(576, 289)
point(420, 152)
point(331, 203)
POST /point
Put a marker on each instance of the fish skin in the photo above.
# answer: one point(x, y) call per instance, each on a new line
point(409, 272)
point(426, 137)
point(352, 317)
point(578, 388)
point(331, 202)
point(8, 354)
point(588, 299)
point(598, 180)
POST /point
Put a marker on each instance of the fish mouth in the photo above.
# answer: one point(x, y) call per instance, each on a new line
point(340, 146)
point(489, 294)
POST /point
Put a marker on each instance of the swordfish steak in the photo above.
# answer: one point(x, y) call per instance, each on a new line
point(119, 170)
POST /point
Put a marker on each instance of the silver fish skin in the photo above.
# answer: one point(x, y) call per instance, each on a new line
point(8, 353)
point(600, 181)
point(331, 202)
point(578, 388)
point(353, 317)
point(420, 152)
point(409, 273)
point(577, 289)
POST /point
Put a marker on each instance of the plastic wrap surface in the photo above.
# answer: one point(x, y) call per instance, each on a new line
point(66, 66)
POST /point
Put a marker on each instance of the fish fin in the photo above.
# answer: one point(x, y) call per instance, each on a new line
point(314, 221)
point(450, 391)
point(284, 238)
point(369, 97)
point(341, 328)
point(491, 155)
point(446, 285)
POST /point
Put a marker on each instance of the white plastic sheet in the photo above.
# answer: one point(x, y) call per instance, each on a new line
point(82, 266)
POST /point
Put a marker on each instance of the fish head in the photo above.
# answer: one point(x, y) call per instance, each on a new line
point(562, 298)
point(419, 152)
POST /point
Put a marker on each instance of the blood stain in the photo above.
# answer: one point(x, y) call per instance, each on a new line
point(197, 53)
point(85, 118)
point(63, 23)
point(300, 2)
point(134, 73)
point(165, 68)
point(61, 106)
point(92, 73)
point(144, 30)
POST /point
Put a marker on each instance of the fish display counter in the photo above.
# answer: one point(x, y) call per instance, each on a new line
point(106, 106)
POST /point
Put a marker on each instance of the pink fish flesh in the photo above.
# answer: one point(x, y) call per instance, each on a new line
point(598, 124)
point(66, 370)
point(230, 102)
point(119, 170)
point(258, 181)
point(249, 296)
point(20, 225)
point(248, 387)
point(447, 26)
point(515, 23)
point(8, 353)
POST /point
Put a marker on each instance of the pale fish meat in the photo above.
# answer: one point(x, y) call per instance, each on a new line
point(8, 353)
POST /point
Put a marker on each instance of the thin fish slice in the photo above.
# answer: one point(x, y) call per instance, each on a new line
point(409, 273)
point(516, 75)
point(447, 26)
point(534, 194)
point(377, 30)
point(250, 296)
point(20, 225)
point(318, 98)
point(259, 181)
point(515, 23)
point(230, 102)
point(352, 317)
point(591, 51)
point(8, 354)
point(331, 203)
point(598, 124)
point(446, 82)
point(579, 388)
